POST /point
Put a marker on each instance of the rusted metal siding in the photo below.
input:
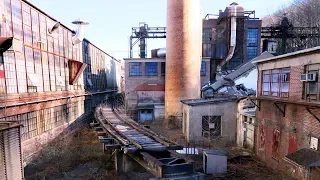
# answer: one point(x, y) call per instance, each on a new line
point(10, 157)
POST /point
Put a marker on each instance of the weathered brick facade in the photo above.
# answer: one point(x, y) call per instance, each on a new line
point(132, 82)
point(285, 125)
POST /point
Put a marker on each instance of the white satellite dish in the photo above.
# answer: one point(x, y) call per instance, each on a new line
point(78, 37)
point(53, 26)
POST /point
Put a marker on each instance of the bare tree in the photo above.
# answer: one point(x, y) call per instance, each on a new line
point(301, 13)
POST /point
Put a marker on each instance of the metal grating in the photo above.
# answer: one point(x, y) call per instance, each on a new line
point(12, 150)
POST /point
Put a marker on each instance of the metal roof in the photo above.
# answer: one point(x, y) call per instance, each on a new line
point(305, 157)
point(249, 66)
point(215, 152)
point(297, 53)
point(195, 102)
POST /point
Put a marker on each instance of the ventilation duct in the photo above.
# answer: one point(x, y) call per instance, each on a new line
point(79, 35)
point(234, 10)
point(53, 27)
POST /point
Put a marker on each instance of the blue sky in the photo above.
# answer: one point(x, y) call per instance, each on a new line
point(111, 20)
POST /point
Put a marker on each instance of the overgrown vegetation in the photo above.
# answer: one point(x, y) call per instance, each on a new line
point(79, 149)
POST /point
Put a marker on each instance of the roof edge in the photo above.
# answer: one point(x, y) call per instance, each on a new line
point(296, 53)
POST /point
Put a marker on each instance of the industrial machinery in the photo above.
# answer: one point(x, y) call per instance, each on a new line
point(285, 38)
point(141, 34)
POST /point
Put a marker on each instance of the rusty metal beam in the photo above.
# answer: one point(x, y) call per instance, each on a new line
point(161, 169)
point(280, 109)
point(256, 104)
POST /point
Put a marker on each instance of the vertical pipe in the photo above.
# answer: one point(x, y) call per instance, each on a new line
point(183, 58)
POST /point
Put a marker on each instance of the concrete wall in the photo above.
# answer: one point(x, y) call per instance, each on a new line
point(192, 124)
point(159, 112)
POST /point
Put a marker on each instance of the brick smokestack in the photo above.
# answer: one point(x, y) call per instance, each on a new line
point(184, 51)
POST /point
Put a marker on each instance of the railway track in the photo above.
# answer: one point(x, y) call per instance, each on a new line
point(131, 135)
point(153, 152)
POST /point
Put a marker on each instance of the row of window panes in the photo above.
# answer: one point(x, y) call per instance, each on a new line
point(252, 43)
point(34, 20)
point(151, 68)
point(37, 122)
point(276, 82)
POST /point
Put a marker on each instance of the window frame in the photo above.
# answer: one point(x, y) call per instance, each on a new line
point(151, 68)
point(206, 130)
point(139, 70)
point(275, 82)
point(203, 69)
point(307, 95)
point(252, 43)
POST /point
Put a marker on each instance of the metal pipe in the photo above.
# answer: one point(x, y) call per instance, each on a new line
point(233, 34)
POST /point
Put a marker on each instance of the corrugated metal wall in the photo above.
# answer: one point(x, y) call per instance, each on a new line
point(2, 158)
point(10, 156)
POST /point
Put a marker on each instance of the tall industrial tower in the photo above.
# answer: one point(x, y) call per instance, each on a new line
point(184, 51)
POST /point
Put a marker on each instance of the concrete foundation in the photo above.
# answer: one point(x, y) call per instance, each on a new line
point(183, 58)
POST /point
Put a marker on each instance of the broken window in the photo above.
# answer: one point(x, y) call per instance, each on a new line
point(33, 80)
point(211, 126)
point(276, 82)
point(275, 143)
point(314, 143)
point(60, 83)
point(89, 81)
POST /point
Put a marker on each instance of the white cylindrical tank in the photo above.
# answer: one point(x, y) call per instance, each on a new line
point(183, 54)
point(161, 52)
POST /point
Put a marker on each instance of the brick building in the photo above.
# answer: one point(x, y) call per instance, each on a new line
point(288, 113)
point(145, 86)
point(48, 81)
